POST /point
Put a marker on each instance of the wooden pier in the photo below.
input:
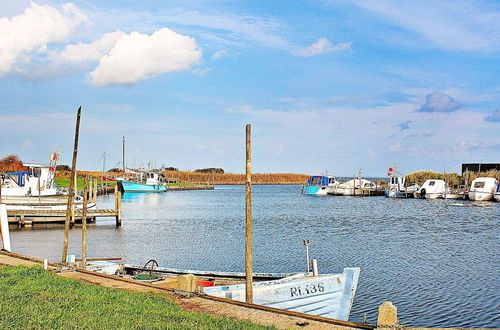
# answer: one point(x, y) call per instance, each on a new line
point(28, 217)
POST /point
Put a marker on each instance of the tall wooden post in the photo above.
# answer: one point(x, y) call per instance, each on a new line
point(248, 198)
point(95, 190)
point(123, 155)
point(84, 223)
point(71, 194)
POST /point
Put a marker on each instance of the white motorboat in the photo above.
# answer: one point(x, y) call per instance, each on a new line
point(483, 189)
point(432, 189)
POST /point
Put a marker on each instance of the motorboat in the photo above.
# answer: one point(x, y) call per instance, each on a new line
point(357, 186)
point(154, 183)
point(320, 185)
point(432, 189)
point(497, 193)
point(483, 189)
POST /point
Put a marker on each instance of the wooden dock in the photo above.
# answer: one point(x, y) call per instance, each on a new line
point(28, 217)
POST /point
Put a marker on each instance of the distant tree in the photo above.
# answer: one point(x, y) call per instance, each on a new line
point(115, 170)
point(171, 169)
point(63, 168)
point(11, 163)
point(211, 170)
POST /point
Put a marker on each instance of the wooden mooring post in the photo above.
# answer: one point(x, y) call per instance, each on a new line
point(388, 316)
point(84, 223)
point(248, 233)
point(118, 206)
point(72, 188)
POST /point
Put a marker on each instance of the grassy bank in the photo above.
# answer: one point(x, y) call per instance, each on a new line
point(35, 298)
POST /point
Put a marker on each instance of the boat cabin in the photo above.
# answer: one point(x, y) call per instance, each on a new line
point(320, 180)
point(38, 180)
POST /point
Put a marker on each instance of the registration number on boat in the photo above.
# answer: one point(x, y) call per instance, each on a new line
point(303, 290)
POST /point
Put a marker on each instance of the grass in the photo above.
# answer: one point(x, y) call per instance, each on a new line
point(64, 182)
point(31, 297)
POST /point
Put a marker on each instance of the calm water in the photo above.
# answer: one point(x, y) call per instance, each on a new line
point(439, 265)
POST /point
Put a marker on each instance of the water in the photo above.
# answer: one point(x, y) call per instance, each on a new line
point(439, 265)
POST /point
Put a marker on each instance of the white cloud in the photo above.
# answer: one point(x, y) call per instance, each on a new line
point(448, 24)
point(136, 56)
point(219, 54)
point(33, 30)
point(84, 52)
point(322, 46)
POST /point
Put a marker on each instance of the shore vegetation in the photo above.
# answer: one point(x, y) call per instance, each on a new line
point(33, 298)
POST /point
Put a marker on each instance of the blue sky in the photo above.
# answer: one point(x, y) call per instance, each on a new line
point(327, 85)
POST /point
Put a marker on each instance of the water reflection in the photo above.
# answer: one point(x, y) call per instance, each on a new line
point(437, 263)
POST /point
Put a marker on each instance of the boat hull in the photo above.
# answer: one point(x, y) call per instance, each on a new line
point(127, 186)
point(395, 194)
point(324, 295)
point(497, 196)
point(315, 190)
point(480, 196)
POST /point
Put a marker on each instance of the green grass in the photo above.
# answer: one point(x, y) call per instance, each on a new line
point(34, 298)
point(64, 182)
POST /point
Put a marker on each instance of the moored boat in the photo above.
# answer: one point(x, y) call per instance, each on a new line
point(328, 295)
point(483, 189)
point(397, 186)
point(497, 193)
point(320, 185)
point(154, 183)
point(359, 187)
point(37, 180)
point(432, 189)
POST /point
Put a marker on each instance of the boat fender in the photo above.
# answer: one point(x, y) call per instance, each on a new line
point(422, 193)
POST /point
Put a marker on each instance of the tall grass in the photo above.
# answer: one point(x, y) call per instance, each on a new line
point(32, 298)
point(453, 178)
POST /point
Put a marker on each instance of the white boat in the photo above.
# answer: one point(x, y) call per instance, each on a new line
point(38, 180)
point(483, 189)
point(350, 187)
point(320, 185)
point(432, 189)
point(328, 295)
point(497, 193)
point(397, 187)
point(54, 203)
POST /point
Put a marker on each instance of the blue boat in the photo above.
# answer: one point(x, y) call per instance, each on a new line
point(320, 185)
point(153, 184)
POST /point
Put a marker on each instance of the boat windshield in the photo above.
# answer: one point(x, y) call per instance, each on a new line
point(318, 180)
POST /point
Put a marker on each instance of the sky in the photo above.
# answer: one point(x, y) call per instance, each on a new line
point(329, 86)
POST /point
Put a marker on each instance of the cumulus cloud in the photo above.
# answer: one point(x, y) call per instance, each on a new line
point(33, 30)
point(322, 46)
point(136, 56)
point(85, 52)
point(494, 116)
point(439, 102)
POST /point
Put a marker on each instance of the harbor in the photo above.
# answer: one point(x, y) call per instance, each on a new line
point(395, 242)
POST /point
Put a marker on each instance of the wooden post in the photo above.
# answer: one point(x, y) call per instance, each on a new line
point(71, 188)
point(84, 224)
point(95, 190)
point(119, 208)
point(116, 196)
point(387, 316)
point(248, 234)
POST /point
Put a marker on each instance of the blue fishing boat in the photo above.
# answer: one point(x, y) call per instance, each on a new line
point(320, 185)
point(154, 183)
